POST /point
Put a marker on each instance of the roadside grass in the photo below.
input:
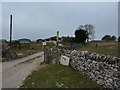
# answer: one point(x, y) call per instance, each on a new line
point(23, 52)
point(30, 60)
point(58, 76)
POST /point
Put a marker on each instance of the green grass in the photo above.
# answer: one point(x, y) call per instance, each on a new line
point(58, 76)
point(104, 47)
point(30, 60)
point(29, 51)
point(65, 44)
point(25, 51)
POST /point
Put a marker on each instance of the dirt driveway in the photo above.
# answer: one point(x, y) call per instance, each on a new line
point(14, 72)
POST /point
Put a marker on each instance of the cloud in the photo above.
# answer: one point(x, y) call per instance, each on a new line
point(0, 20)
point(41, 20)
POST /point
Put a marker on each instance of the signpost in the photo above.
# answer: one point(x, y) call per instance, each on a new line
point(45, 51)
point(57, 39)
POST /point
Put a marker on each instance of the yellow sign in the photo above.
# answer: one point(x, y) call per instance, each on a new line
point(57, 38)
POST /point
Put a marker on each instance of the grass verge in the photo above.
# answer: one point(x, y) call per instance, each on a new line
point(58, 76)
point(30, 60)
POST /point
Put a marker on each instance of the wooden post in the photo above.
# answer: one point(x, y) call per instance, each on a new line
point(44, 48)
point(57, 38)
point(10, 29)
point(44, 54)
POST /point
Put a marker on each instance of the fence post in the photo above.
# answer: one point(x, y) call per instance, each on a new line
point(44, 48)
point(57, 38)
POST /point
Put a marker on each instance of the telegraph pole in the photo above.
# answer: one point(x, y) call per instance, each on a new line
point(10, 29)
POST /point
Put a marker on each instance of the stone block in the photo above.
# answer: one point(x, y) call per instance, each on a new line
point(64, 60)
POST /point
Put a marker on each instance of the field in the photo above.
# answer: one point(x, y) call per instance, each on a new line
point(34, 48)
point(23, 52)
point(58, 76)
point(101, 47)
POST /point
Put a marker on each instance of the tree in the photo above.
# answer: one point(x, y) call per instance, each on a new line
point(81, 27)
point(81, 35)
point(119, 39)
point(90, 30)
point(113, 38)
point(106, 38)
point(109, 38)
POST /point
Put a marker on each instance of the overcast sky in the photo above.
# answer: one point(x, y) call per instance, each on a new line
point(44, 19)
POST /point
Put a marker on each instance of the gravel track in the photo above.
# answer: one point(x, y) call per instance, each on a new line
point(15, 72)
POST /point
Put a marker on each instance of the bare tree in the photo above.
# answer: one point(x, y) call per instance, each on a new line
point(91, 31)
point(81, 27)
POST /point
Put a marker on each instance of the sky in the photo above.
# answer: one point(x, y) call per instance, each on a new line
point(119, 18)
point(34, 20)
point(0, 20)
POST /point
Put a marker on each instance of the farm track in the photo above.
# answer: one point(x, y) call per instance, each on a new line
point(14, 72)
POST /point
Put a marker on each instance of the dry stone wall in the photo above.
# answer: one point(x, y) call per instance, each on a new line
point(98, 67)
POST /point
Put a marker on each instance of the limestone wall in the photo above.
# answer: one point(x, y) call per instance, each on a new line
point(98, 67)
